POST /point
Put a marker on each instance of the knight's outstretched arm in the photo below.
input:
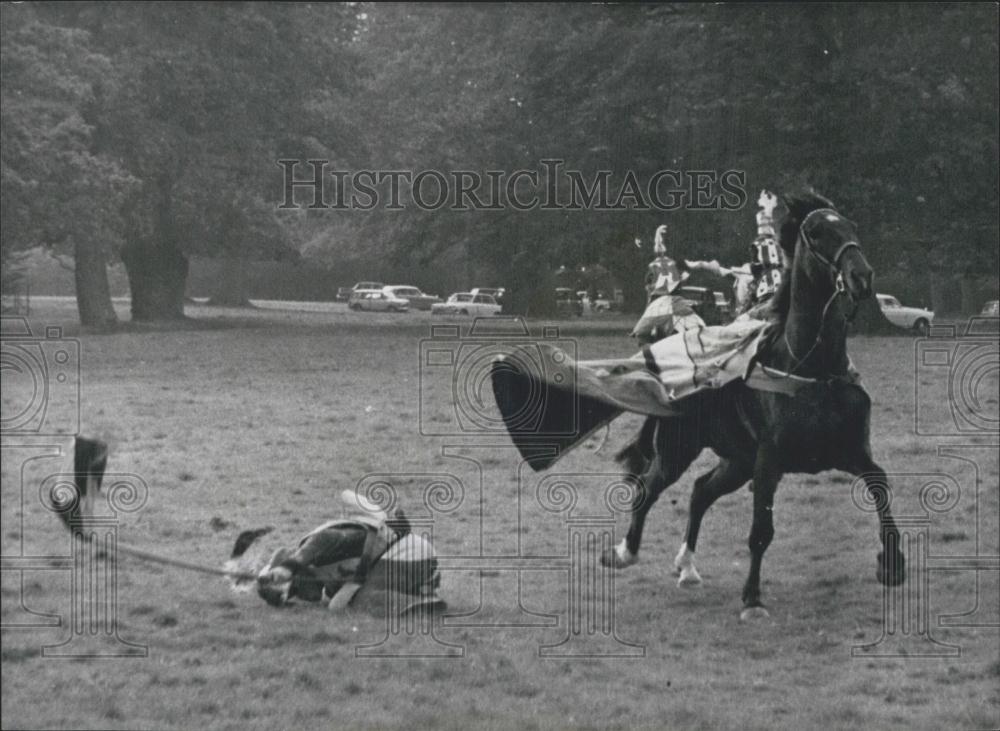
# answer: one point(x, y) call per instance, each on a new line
point(712, 267)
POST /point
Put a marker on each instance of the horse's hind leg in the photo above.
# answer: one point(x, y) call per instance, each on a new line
point(636, 456)
point(727, 477)
point(676, 449)
point(648, 489)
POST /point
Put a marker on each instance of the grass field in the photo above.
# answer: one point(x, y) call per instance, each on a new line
point(254, 418)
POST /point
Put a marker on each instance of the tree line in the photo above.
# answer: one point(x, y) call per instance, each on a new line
point(150, 133)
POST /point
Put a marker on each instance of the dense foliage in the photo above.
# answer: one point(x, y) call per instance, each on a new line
point(151, 132)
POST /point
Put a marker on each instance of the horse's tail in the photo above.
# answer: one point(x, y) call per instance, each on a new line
point(637, 454)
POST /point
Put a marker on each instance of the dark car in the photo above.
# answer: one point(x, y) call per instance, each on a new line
point(725, 308)
point(343, 294)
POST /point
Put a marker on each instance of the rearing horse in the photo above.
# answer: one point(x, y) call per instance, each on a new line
point(763, 435)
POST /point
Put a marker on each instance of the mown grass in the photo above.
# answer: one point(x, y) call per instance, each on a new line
point(237, 427)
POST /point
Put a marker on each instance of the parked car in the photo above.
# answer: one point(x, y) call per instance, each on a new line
point(912, 318)
point(357, 294)
point(496, 293)
point(417, 299)
point(375, 300)
point(466, 303)
point(705, 303)
point(567, 302)
point(343, 294)
point(991, 309)
point(600, 303)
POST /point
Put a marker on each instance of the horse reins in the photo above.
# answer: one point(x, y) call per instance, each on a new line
point(834, 267)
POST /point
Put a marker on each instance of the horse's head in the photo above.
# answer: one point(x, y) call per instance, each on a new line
point(827, 243)
point(831, 242)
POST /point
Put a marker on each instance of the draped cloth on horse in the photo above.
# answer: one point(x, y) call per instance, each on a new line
point(546, 413)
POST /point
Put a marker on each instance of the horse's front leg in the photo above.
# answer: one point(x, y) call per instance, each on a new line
point(766, 476)
point(891, 569)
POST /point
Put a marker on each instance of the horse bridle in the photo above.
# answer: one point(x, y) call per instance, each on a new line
point(833, 265)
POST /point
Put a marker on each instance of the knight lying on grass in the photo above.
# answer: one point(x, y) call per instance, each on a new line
point(337, 560)
point(369, 561)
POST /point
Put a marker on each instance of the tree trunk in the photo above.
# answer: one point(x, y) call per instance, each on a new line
point(939, 304)
point(970, 295)
point(93, 295)
point(531, 292)
point(157, 269)
point(157, 275)
point(629, 269)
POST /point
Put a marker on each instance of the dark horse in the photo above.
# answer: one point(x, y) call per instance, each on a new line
point(763, 435)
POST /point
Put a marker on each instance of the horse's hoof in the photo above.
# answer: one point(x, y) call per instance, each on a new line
point(689, 578)
point(891, 573)
point(684, 560)
point(611, 558)
point(751, 614)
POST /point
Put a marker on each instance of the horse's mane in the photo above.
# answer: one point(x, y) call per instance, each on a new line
point(797, 206)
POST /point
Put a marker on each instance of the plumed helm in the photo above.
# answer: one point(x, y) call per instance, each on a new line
point(659, 245)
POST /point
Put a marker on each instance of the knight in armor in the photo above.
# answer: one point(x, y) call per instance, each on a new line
point(767, 265)
point(666, 312)
point(755, 282)
point(341, 558)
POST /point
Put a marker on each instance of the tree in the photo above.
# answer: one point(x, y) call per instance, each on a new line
point(56, 190)
point(207, 98)
point(891, 111)
point(888, 110)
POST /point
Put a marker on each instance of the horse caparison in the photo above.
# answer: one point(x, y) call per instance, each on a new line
point(761, 436)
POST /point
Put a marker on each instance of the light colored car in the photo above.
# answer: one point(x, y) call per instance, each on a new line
point(911, 318)
point(991, 309)
point(466, 303)
point(496, 293)
point(417, 299)
point(375, 300)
